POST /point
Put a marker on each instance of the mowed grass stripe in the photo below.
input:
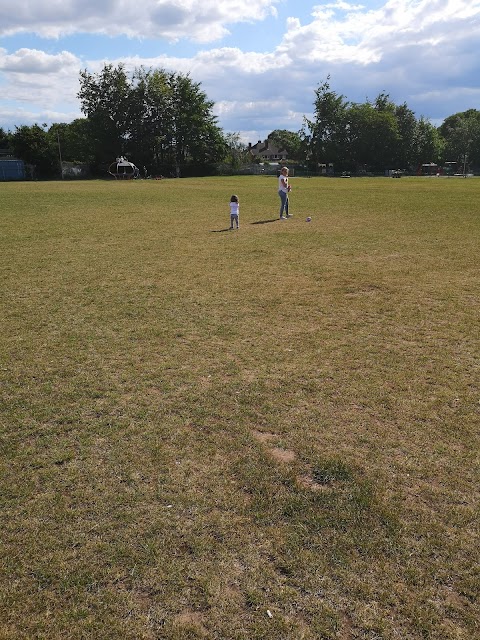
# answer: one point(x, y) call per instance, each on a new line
point(200, 425)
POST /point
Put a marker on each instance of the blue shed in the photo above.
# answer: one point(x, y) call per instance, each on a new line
point(12, 170)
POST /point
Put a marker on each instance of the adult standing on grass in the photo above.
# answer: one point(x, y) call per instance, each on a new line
point(283, 189)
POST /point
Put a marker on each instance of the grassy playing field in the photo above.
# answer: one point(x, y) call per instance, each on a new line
point(263, 434)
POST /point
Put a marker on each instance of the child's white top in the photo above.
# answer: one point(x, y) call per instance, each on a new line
point(234, 208)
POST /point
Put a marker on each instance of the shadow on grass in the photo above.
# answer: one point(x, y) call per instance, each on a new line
point(265, 221)
point(220, 230)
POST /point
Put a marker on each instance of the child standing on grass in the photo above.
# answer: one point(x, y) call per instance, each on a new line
point(234, 211)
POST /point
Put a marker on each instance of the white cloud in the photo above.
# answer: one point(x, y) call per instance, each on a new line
point(32, 61)
point(366, 37)
point(223, 64)
point(37, 78)
point(204, 21)
point(258, 115)
point(28, 117)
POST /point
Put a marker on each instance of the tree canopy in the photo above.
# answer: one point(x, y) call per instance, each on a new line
point(367, 136)
point(461, 133)
point(158, 118)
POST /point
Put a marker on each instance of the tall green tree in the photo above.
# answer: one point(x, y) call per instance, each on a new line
point(73, 140)
point(372, 136)
point(156, 118)
point(105, 99)
point(428, 143)
point(386, 153)
point(151, 119)
point(36, 147)
point(406, 127)
point(379, 135)
point(4, 139)
point(461, 132)
point(324, 137)
point(196, 140)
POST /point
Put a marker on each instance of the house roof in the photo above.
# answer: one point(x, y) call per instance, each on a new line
point(266, 149)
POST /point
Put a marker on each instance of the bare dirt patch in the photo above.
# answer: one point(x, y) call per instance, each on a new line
point(264, 436)
point(282, 455)
point(191, 620)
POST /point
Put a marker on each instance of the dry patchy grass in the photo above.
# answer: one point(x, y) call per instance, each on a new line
point(262, 434)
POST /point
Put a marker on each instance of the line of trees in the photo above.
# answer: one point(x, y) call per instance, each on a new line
point(159, 119)
point(380, 134)
point(164, 121)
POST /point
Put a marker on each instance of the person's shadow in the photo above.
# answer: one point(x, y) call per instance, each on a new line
point(230, 229)
point(264, 221)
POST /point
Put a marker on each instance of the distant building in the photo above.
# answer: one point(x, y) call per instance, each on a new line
point(266, 151)
point(11, 168)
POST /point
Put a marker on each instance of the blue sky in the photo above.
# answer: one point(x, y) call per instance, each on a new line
point(260, 62)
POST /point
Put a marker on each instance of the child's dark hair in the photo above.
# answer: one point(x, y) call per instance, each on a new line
point(234, 199)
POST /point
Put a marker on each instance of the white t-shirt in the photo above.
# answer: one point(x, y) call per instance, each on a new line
point(283, 183)
point(234, 208)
